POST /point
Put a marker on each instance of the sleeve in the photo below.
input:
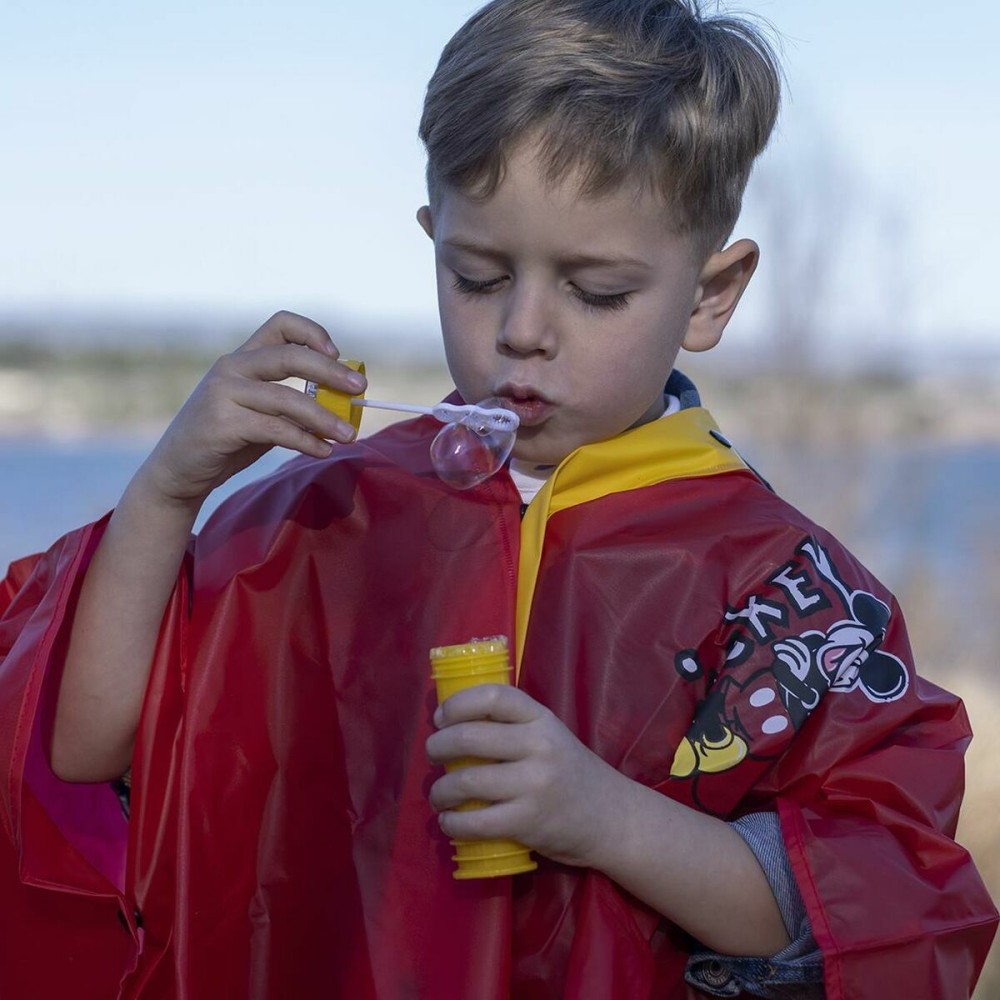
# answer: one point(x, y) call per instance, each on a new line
point(40, 597)
point(811, 709)
point(63, 846)
point(896, 905)
point(796, 970)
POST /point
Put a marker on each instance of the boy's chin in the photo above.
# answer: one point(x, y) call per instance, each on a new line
point(534, 450)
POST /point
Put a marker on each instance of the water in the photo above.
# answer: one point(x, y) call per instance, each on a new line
point(900, 508)
point(50, 487)
point(902, 511)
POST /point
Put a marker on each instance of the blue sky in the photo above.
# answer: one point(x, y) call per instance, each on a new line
point(251, 156)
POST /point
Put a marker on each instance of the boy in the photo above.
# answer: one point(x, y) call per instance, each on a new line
point(717, 747)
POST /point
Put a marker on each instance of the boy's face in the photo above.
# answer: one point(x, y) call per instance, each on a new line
point(570, 309)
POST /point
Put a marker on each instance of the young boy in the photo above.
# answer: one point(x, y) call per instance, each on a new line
point(717, 747)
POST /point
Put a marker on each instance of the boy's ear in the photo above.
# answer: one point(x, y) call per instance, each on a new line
point(723, 280)
point(426, 220)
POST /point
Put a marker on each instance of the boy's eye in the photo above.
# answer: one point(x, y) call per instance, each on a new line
point(593, 301)
point(471, 287)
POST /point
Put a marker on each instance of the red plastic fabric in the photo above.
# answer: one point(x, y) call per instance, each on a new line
point(60, 933)
point(281, 843)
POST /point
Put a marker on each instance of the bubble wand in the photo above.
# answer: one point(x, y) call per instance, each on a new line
point(491, 417)
point(476, 440)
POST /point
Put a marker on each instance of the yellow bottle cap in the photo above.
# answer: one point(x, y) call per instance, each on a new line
point(338, 402)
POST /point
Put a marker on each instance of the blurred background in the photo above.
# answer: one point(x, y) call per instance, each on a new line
point(175, 173)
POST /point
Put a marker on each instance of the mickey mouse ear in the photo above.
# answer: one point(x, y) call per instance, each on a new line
point(882, 677)
point(870, 611)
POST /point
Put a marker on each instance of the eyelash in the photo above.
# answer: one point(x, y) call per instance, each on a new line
point(611, 302)
point(469, 287)
point(591, 301)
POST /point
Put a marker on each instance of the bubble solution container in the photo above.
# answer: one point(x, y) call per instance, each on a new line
point(454, 668)
point(340, 403)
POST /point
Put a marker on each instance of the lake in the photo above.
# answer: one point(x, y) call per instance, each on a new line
point(905, 511)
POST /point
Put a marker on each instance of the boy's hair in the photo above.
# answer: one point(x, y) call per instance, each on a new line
point(648, 91)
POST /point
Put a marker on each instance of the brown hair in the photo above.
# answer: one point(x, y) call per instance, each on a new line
point(619, 90)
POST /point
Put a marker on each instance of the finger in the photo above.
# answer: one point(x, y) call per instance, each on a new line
point(290, 328)
point(486, 739)
point(487, 782)
point(501, 820)
point(281, 400)
point(277, 362)
point(500, 702)
point(276, 431)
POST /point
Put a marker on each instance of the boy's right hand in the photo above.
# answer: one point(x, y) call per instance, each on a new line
point(238, 411)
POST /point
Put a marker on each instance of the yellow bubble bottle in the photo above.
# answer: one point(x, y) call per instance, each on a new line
point(455, 668)
point(341, 404)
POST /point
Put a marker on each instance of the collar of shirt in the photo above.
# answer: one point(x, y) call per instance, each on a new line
point(530, 478)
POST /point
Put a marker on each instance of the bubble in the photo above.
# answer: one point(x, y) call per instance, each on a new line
point(467, 452)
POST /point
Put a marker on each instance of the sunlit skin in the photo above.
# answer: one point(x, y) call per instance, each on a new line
point(577, 370)
point(237, 413)
point(573, 311)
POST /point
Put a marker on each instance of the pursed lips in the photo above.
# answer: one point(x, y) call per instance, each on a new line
point(519, 393)
point(529, 403)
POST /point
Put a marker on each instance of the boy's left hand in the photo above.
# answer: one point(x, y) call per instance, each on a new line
point(547, 790)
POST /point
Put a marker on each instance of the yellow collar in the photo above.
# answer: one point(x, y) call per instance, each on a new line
point(676, 447)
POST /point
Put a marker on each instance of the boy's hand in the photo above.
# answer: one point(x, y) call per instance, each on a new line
point(548, 791)
point(238, 411)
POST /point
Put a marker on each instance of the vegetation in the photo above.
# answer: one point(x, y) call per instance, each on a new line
point(820, 439)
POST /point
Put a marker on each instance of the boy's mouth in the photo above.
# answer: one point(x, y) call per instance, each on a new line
point(529, 404)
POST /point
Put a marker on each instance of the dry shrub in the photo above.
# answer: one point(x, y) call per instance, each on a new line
point(958, 652)
point(977, 828)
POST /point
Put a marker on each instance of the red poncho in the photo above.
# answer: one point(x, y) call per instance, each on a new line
point(686, 624)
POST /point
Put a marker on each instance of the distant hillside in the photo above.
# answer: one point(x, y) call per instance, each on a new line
point(68, 371)
point(184, 330)
point(74, 385)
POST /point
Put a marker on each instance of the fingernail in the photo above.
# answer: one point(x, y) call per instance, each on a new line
point(355, 379)
point(438, 717)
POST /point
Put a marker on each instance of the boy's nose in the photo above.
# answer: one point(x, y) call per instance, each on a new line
point(528, 326)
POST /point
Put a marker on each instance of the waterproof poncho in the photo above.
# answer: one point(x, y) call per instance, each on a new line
point(686, 624)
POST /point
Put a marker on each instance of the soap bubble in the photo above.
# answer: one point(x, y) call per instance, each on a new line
point(468, 452)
